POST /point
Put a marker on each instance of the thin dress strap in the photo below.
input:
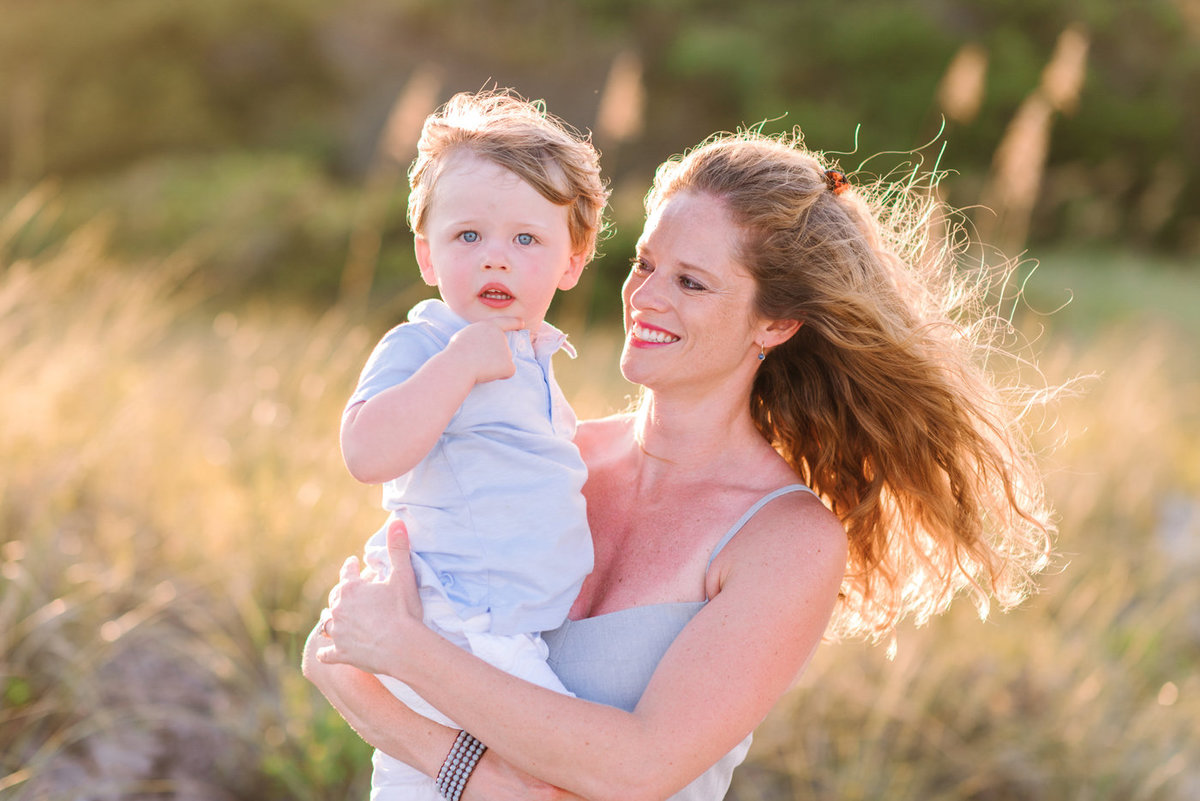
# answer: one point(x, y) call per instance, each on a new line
point(753, 510)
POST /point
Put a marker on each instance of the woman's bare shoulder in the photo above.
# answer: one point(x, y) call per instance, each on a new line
point(796, 533)
point(594, 438)
point(803, 522)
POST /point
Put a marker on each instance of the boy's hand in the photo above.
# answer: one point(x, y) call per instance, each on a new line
point(482, 348)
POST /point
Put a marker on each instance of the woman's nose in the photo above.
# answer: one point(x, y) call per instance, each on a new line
point(644, 292)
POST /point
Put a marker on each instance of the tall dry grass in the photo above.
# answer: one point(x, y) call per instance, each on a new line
point(173, 509)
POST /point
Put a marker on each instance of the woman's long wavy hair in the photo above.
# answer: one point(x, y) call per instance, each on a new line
point(881, 401)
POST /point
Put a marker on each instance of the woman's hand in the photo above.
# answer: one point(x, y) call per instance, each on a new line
point(495, 779)
point(370, 621)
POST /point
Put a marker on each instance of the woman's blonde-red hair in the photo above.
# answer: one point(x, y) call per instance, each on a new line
point(881, 401)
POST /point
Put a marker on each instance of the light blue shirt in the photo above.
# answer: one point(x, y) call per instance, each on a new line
point(495, 511)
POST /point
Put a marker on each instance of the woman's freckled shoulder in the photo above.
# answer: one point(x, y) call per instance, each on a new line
point(794, 536)
point(822, 535)
point(595, 438)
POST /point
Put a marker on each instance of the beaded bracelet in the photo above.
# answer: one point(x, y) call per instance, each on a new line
point(460, 762)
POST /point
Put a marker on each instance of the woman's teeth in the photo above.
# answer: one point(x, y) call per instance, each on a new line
point(653, 334)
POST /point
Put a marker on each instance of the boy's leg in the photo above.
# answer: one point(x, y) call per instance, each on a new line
point(522, 655)
point(393, 780)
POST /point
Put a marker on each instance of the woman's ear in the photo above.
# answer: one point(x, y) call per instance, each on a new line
point(776, 332)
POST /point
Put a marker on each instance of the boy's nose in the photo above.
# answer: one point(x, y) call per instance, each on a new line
point(495, 259)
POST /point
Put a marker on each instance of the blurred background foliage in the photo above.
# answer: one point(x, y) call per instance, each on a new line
point(247, 129)
point(202, 234)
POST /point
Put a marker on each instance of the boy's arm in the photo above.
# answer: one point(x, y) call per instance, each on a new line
point(387, 435)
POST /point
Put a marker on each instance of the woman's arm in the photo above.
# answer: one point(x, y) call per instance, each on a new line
point(380, 718)
point(715, 684)
point(384, 722)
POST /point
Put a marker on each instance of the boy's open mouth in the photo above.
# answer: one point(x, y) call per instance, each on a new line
point(496, 296)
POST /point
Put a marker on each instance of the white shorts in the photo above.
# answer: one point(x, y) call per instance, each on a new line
point(521, 655)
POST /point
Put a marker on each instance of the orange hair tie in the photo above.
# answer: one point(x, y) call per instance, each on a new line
point(836, 181)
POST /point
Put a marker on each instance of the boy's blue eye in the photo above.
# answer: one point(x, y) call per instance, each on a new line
point(525, 239)
point(469, 236)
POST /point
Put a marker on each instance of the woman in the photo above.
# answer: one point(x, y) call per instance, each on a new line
point(788, 335)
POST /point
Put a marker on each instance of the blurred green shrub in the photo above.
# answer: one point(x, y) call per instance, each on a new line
point(129, 98)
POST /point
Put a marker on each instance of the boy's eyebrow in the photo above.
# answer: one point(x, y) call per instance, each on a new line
point(456, 222)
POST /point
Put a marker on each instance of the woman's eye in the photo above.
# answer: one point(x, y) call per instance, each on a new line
point(524, 239)
point(640, 266)
point(469, 236)
point(688, 283)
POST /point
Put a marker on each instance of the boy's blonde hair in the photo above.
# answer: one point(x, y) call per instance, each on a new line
point(500, 126)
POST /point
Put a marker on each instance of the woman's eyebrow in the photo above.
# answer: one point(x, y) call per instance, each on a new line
point(694, 268)
point(698, 271)
point(642, 250)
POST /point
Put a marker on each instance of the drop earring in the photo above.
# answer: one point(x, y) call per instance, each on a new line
point(762, 351)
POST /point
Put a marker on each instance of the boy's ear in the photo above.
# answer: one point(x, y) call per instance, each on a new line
point(424, 260)
point(574, 269)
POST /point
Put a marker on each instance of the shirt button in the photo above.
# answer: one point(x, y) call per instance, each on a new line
point(447, 580)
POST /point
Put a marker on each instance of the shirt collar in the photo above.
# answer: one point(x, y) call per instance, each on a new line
point(436, 313)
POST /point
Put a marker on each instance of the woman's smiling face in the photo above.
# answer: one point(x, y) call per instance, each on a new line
point(688, 300)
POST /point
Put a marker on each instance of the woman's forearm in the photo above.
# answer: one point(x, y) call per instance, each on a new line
point(717, 681)
point(584, 747)
point(591, 749)
point(384, 722)
point(377, 716)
